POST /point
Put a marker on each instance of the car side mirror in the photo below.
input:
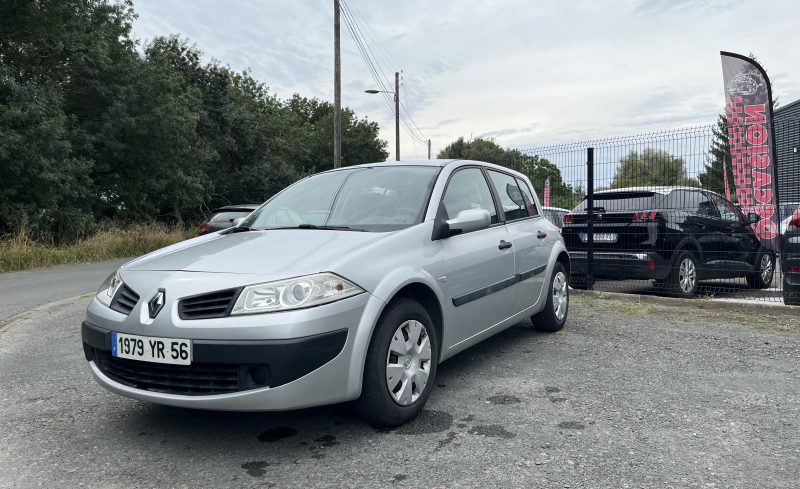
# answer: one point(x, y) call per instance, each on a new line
point(468, 220)
point(753, 218)
point(237, 221)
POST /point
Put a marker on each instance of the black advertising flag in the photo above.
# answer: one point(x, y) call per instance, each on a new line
point(748, 109)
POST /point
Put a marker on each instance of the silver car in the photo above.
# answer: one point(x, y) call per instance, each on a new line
point(349, 285)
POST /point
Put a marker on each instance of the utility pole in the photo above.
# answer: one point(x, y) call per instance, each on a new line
point(397, 115)
point(429, 149)
point(337, 90)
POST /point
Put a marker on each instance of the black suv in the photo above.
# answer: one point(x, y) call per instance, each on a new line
point(674, 235)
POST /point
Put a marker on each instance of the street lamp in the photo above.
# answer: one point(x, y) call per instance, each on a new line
point(396, 94)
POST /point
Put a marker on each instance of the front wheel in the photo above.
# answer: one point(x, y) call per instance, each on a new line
point(554, 315)
point(761, 277)
point(400, 368)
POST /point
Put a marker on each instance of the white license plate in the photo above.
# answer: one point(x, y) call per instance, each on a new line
point(601, 237)
point(151, 349)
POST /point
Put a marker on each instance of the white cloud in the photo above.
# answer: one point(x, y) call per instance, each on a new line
point(527, 73)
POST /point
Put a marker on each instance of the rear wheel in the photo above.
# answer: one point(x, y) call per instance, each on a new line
point(761, 277)
point(683, 277)
point(400, 367)
point(554, 314)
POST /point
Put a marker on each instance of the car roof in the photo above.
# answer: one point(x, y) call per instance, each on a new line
point(439, 163)
point(658, 189)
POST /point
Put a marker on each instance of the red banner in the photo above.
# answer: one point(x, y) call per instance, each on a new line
point(547, 192)
point(748, 109)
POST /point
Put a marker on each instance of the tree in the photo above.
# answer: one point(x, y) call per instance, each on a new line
point(43, 186)
point(719, 156)
point(651, 167)
point(537, 169)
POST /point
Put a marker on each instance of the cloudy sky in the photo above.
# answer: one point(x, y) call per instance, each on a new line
point(524, 72)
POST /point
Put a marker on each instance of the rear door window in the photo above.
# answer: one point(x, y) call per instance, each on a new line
point(693, 201)
point(511, 198)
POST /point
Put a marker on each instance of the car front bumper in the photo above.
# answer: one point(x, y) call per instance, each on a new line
point(260, 362)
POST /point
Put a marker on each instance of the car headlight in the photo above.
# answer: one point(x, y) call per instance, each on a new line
point(110, 286)
point(294, 293)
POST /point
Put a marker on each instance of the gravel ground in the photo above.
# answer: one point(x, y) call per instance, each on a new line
point(627, 395)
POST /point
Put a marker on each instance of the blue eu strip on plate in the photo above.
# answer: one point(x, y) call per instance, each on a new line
point(113, 344)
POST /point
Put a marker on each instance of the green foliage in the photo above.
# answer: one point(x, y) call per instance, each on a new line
point(535, 168)
point(43, 186)
point(719, 153)
point(92, 128)
point(651, 167)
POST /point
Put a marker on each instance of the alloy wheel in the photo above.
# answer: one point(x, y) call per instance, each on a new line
point(408, 363)
point(687, 275)
point(766, 269)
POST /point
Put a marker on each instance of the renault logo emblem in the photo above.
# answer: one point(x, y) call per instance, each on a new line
point(156, 303)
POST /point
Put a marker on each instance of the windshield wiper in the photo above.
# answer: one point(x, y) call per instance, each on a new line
point(240, 229)
point(314, 226)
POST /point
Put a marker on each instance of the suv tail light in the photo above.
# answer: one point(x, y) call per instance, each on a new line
point(569, 219)
point(794, 223)
point(645, 216)
point(204, 227)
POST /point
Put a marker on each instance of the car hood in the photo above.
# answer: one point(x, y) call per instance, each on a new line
point(279, 252)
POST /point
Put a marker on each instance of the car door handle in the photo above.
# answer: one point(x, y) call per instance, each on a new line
point(541, 235)
point(504, 245)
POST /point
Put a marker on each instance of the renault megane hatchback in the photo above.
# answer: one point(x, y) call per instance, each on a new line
point(350, 285)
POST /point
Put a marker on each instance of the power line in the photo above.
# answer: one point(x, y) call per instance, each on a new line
point(376, 70)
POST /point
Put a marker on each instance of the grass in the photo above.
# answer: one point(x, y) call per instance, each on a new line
point(21, 252)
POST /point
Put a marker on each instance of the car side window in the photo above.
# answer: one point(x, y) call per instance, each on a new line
point(511, 199)
point(528, 196)
point(727, 211)
point(468, 189)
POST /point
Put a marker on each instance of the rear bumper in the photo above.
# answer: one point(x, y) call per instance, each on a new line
point(621, 265)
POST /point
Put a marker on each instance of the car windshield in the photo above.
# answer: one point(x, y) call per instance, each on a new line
point(376, 199)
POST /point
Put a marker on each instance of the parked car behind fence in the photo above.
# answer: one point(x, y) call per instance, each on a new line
point(676, 236)
point(223, 217)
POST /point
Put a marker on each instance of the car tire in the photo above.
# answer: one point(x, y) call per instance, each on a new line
point(683, 278)
point(392, 401)
point(762, 276)
point(554, 315)
point(791, 293)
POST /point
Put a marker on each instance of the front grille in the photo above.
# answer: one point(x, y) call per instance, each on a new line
point(196, 379)
point(124, 300)
point(212, 305)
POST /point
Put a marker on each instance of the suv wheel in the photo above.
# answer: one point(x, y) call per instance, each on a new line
point(400, 368)
point(683, 278)
point(554, 314)
point(761, 277)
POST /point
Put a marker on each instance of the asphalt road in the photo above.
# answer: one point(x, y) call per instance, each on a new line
point(627, 395)
point(20, 291)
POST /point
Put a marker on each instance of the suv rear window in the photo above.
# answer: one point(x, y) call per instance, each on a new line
point(228, 216)
point(624, 201)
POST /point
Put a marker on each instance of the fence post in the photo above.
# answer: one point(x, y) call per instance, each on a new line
point(589, 218)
